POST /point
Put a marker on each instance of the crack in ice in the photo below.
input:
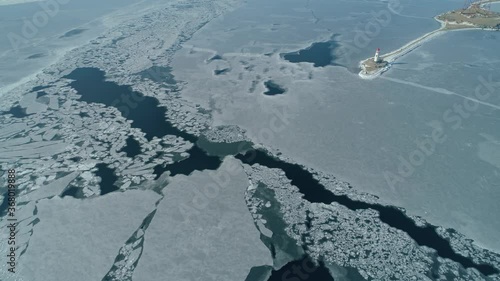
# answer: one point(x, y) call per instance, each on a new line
point(439, 91)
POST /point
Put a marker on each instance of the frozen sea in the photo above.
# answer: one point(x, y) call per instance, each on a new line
point(38, 33)
point(219, 139)
point(359, 130)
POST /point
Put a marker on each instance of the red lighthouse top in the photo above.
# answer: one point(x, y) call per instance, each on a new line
point(378, 49)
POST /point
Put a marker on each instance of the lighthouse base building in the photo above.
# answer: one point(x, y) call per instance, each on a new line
point(377, 57)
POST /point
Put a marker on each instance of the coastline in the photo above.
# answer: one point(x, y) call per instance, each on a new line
point(392, 56)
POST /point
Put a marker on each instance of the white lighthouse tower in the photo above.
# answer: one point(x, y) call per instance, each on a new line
point(377, 56)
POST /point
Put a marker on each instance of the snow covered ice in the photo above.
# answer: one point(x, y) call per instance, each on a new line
point(203, 228)
point(188, 201)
